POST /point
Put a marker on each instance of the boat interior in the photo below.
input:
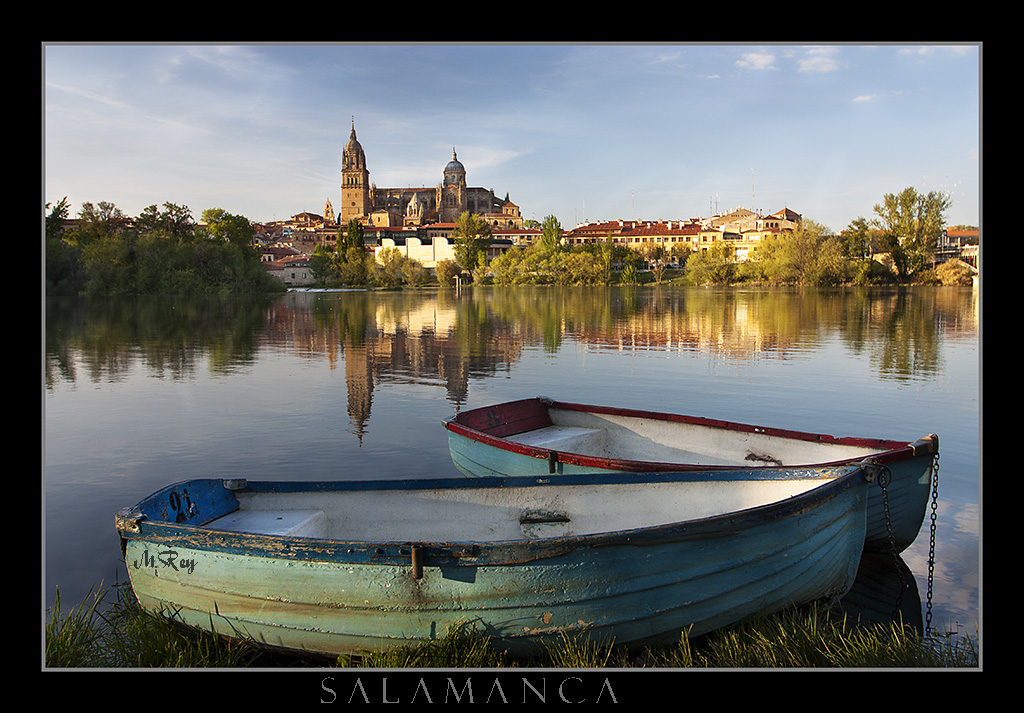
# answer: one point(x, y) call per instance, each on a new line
point(660, 441)
point(499, 514)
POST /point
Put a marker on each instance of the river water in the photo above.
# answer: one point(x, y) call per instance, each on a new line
point(139, 393)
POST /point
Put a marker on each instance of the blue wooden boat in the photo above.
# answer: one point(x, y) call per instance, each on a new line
point(348, 567)
point(531, 437)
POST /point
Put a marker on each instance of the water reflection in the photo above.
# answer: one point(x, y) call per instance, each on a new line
point(885, 590)
point(447, 338)
point(167, 336)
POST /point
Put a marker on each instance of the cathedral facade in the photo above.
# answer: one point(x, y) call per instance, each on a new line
point(401, 207)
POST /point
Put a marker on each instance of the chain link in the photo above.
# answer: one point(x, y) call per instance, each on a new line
point(931, 544)
point(884, 478)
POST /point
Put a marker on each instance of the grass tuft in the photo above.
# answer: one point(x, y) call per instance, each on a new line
point(126, 636)
point(463, 643)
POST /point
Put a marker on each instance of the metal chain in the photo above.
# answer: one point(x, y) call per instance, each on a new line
point(931, 544)
point(884, 477)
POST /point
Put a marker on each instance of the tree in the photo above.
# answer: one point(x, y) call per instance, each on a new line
point(394, 269)
point(857, 238)
point(55, 219)
point(804, 247)
point(829, 267)
point(98, 222)
point(472, 235)
point(235, 229)
point(63, 276)
point(681, 252)
point(579, 267)
point(810, 255)
point(910, 225)
point(551, 234)
point(322, 264)
point(174, 222)
point(353, 237)
point(714, 265)
point(447, 272)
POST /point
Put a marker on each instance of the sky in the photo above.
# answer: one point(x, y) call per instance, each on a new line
point(584, 132)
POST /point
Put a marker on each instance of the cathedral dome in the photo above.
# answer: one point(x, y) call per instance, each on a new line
point(454, 164)
point(353, 144)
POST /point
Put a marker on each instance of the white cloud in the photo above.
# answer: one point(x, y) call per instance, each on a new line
point(819, 59)
point(756, 60)
point(932, 49)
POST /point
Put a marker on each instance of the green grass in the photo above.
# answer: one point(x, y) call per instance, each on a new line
point(122, 635)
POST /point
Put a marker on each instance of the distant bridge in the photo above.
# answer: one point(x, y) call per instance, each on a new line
point(967, 254)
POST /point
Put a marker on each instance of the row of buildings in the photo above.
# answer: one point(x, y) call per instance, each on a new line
point(420, 221)
point(287, 247)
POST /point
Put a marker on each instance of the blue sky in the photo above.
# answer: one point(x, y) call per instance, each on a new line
point(582, 132)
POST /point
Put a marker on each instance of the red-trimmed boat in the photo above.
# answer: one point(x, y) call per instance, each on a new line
point(534, 437)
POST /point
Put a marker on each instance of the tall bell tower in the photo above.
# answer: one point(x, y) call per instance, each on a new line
point(355, 180)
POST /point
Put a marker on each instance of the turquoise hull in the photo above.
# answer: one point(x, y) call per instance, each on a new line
point(635, 587)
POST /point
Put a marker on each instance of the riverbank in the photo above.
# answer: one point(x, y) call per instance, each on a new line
point(100, 633)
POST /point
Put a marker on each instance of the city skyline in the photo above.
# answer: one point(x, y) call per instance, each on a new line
point(580, 131)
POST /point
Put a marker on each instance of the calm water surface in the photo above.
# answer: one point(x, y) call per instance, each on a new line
point(140, 393)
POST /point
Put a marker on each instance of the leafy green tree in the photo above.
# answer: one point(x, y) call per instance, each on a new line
point(353, 237)
point(472, 236)
point(394, 269)
point(447, 272)
point(681, 252)
point(355, 267)
point(235, 229)
point(714, 265)
point(769, 260)
point(857, 238)
point(580, 267)
point(629, 274)
point(56, 218)
point(506, 268)
point(174, 221)
point(97, 222)
point(606, 250)
point(830, 265)
point(323, 264)
point(804, 246)
point(551, 234)
point(910, 224)
point(63, 268)
point(161, 254)
point(811, 255)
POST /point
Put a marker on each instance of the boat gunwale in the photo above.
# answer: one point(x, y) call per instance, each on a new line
point(134, 522)
point(888, 451)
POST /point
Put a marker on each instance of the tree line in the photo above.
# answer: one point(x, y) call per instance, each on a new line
point(897, 246)
point(166, 251)
point(163, 251)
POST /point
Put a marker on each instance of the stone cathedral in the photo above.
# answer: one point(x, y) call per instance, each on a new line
point(400, 207)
